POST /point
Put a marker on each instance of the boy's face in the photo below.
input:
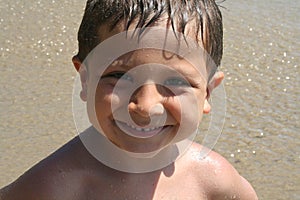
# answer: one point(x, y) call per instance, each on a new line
point(147, 98)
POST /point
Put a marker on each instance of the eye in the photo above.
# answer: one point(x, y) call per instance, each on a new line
point(118, 75)
point(177, 81)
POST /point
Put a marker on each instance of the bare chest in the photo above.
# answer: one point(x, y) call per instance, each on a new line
point(147, 188)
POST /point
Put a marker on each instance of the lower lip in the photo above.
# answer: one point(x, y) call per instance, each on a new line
point(140, 134)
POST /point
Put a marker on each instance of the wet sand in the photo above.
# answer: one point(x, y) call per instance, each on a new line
point(261, 63)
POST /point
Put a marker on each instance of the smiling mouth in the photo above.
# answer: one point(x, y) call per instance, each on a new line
point(141, 132)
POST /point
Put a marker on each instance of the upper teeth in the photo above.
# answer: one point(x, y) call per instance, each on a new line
point(142, 129)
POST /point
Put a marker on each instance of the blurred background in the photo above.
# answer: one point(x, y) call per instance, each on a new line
point(261, 65)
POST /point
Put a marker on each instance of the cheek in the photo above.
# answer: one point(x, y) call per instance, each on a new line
point(192, 108)
point(201, 101)
point(173, 107)
point(102, 102)
point(103, 111)
point(186, 108)
point(200, 96)
point(105, 92)
point(106, 101)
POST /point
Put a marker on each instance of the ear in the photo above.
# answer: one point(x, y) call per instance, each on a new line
point(76, 62)
point(215, 81)
point(83, 76)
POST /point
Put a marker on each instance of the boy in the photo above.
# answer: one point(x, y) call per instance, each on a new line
point(145, 89)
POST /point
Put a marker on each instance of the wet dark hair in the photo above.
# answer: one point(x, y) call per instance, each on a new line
point(205, 13)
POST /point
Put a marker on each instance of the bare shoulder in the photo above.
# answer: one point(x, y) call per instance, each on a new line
point(218, 177)
point(51, 178)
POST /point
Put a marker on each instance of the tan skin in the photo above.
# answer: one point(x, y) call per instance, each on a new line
point(65, 176)
point(73, 173)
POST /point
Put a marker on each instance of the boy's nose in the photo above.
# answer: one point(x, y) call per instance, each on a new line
point(146, 101)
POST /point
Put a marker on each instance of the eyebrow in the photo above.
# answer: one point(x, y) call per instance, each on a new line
point(193, 74)
point(179, 68)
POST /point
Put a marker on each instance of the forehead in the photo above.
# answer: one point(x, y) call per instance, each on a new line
point(157, 59)
point(150, 55)
point(156, 44)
